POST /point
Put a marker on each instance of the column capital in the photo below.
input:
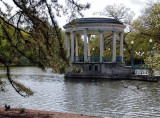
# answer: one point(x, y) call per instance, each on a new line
point(115, 31)
point(72, 32)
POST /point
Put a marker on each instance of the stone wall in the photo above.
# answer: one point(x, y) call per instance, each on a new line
point(102, 70)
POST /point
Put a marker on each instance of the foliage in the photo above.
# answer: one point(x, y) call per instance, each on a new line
point(153, 58)
point(21, 88)
point(80, 46)
point(147, 27)
point(32, 33)
point(95, 44)
point(76, 69)
point(141, 43)
point(149, 23)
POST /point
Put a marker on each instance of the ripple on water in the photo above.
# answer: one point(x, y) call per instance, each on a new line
point(107, 98)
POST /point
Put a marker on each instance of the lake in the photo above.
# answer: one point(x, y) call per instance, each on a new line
point(117, 99)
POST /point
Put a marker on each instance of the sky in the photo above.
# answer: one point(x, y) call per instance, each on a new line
point(99, 5)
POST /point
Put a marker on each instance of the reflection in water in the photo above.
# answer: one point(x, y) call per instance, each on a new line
point(100, 98)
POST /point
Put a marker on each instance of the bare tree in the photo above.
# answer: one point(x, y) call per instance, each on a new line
point(120, 13)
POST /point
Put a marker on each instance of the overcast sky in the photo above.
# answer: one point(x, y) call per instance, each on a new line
point(99, 5)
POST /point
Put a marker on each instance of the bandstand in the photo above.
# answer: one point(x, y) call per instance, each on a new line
point(95, 66)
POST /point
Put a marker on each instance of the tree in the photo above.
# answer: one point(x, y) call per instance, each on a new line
point(153, 58)
point(35, 34)
point(148, 23)
point(146, 27)
point(120, 13)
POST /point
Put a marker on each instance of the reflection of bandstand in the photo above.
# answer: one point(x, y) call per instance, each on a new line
point(95, 66)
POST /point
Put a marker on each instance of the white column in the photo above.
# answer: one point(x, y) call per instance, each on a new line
point(89, 45)
point(114, 47)
point(72, 46)
point(85, 45)
point(101, 46)
point(76, 45)
point(66, 39)
point(69, 46)
point(121, 45)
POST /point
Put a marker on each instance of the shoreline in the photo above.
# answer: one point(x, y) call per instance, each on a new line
point(29, 113)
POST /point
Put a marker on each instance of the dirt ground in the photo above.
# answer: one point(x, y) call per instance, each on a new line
point(28, 113)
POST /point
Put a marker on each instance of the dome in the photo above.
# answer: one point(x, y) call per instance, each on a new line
point(93, 20)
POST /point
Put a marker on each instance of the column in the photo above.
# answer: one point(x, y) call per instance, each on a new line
point(85, 45)
point(101, 46)
point(69, 47)
point(121, 45)
point(114, 47)
point(66, 39)
point(89, 45)
point(76, 45)
point(72, 46)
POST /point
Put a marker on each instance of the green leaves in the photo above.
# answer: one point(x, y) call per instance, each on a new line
point(21, 88)
point(153, 59)
point(32, 34)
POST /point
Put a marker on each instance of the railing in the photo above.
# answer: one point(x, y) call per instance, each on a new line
point(138, 66)
point(118, 59)
point(96, 59)
point(93, 59)
point(79, 59)
point(107, 59)
point(141, 69)
point(144, 66)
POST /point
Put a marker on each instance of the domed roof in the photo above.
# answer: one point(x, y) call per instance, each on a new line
point(93, 20)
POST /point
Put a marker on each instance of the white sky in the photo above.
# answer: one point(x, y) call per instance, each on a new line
point(99, 5)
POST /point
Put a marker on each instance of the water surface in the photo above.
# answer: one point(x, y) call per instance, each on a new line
point(99, 98)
